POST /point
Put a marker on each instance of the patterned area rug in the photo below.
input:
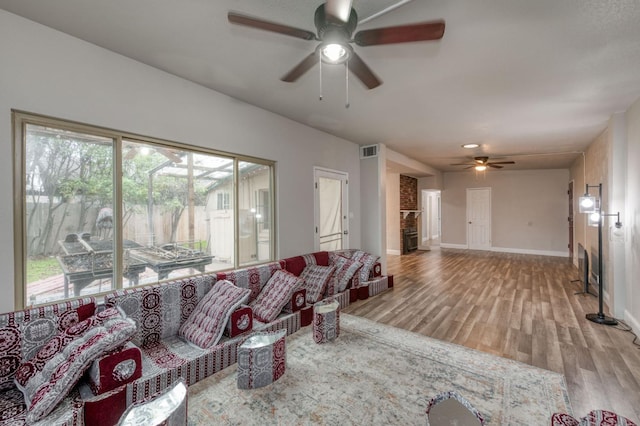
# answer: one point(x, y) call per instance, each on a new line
point(374, 374)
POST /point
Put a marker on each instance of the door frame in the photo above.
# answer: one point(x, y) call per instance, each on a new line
point(489, 245)
point(571, 219)
point(430, 226)
point(343, 177)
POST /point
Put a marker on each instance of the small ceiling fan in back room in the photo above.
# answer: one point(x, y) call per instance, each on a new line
point(481, 163)
point(335, 22)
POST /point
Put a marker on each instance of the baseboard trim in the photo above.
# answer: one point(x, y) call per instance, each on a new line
point(454, 246)
point(511, 250)
point(394, 252)
point(633, 322)
point(527, 251)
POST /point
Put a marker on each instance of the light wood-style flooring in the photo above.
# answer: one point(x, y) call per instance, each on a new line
point(521, 307)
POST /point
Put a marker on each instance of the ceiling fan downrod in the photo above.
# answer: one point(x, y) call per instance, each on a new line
point(346, 77)
point(320, 70)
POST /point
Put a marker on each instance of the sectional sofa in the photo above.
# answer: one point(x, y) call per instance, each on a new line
point(156, 334)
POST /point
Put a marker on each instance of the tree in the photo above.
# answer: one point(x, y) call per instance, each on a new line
point(69, 175)
point(60, 171)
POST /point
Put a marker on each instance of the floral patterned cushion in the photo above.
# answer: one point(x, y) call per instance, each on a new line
point(47, 378)
point(316, 278)
point(594, 418)
point(368, 261)
point(160, 309)
point(30, 368)
point(207, 322)
point(253, 278)
point(23, 333)
point(275, 295)
point(345, 270)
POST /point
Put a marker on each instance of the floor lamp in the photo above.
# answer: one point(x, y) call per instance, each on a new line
point(593, 206)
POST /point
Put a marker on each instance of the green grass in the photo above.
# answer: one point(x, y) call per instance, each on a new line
point(40, 268)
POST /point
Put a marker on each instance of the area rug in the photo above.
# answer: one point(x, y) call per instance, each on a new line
point(374, 374)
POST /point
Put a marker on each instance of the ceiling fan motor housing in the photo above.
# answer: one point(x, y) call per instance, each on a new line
point(334, 30)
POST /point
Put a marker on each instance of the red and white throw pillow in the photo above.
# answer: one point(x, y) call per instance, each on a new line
point(275, 295)
point(58, 343)
point(50, 375)
point(368, 261)
point(316, 278)
point(345, 270)
point(205, 325)
point(22, 333)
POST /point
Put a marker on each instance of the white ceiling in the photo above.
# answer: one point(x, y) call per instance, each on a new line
point(516, 76)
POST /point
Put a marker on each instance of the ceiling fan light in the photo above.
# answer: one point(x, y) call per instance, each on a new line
point(481, 168)
point(334, 53)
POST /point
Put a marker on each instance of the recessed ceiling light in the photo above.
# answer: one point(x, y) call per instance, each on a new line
point(470, 145)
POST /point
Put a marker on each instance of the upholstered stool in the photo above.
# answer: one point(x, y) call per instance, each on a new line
point(167, 409)
point(326, 321)
point(353, 295)
point(261, 359)
point(450, 408)
point(306, 316)
point(363, 291)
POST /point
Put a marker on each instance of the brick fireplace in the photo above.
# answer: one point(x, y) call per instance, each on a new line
point(408, 222)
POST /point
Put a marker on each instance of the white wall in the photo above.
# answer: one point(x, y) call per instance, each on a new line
point(372, 198)
point(529, 209)
point(393, 213)
point(631, 218)
point(617, 190)
point(47, 72)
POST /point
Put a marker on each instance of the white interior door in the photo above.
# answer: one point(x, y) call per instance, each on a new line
point(479, 218)
point(331, 210)
point(426, 218)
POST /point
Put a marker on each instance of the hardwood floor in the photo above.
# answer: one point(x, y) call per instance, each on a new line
point(516, 306)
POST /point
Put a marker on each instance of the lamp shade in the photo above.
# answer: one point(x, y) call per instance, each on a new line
point(587, 204)
point(594, 219)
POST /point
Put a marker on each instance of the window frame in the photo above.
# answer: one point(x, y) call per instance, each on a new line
point(21, 119)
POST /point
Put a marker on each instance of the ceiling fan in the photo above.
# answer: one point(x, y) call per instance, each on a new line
point(335, 22)
point(481, 164)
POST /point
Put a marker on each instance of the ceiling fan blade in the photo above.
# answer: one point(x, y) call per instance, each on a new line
point(304, 66)
point(462, 164)
point(400, 34)
point(494, 165)
point(363, 72)
point(239, 19)
point(503, 162)
point(338, 9)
